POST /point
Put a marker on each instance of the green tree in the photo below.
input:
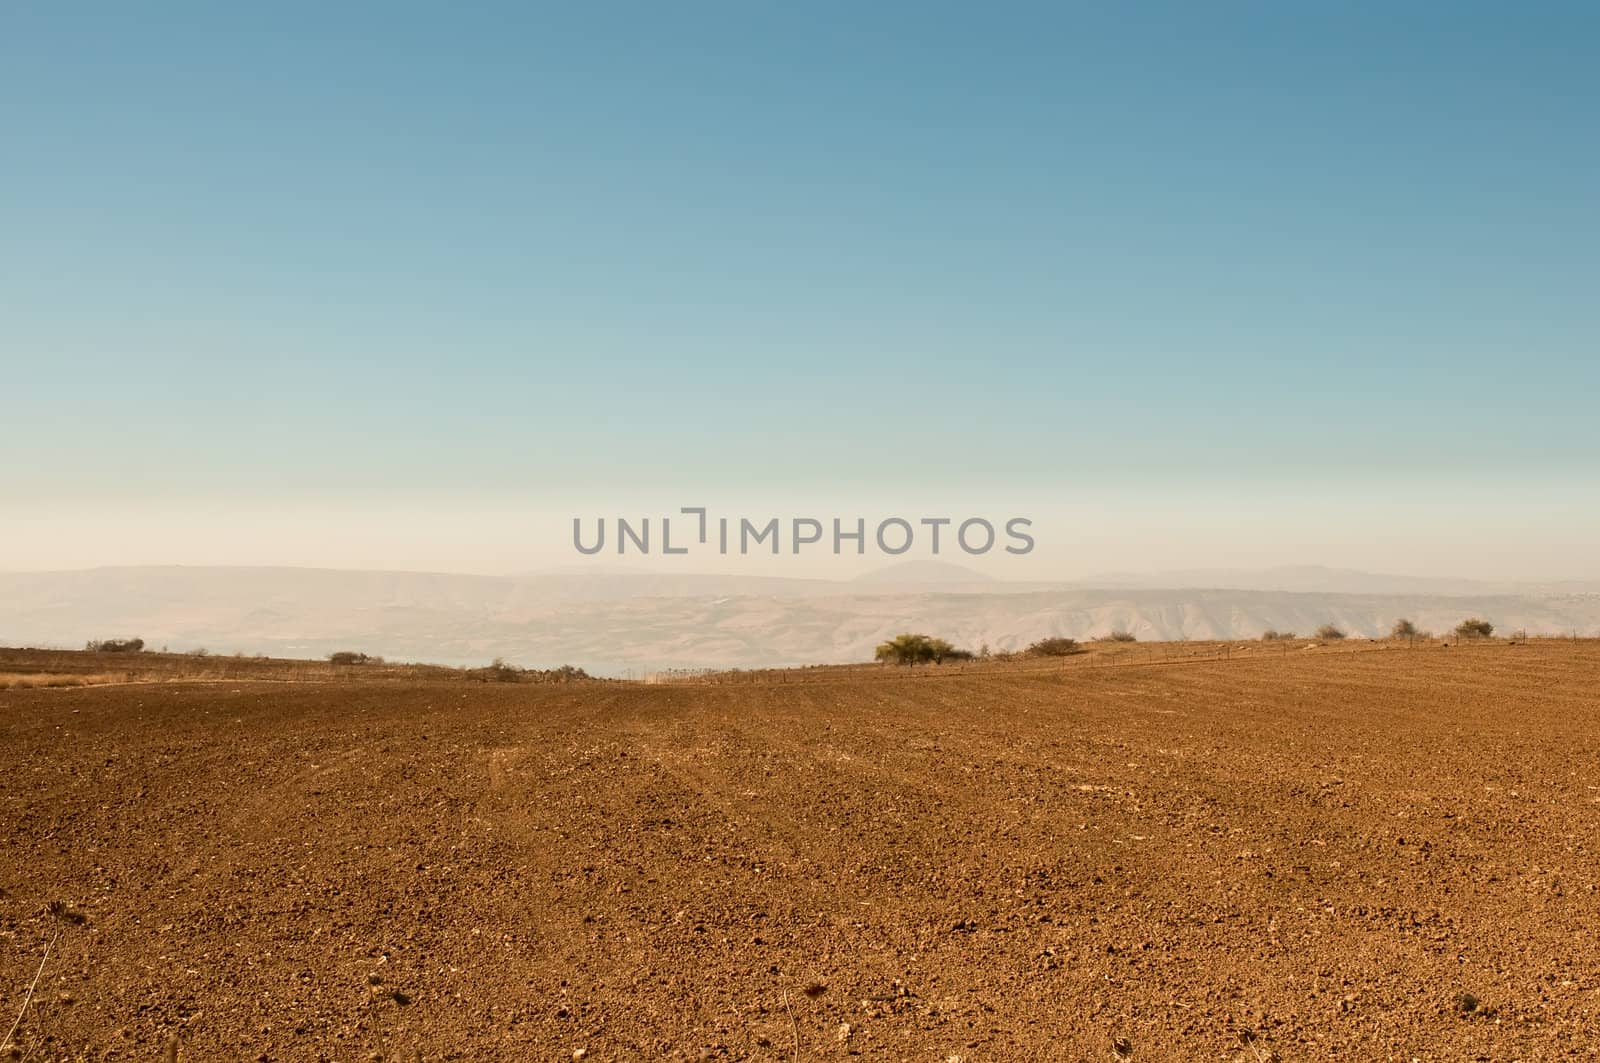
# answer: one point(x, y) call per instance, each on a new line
point(912, 649)
point(1054, 647)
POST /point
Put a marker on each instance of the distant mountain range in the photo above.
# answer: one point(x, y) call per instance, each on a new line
point(1321, 580)
point(617, 622)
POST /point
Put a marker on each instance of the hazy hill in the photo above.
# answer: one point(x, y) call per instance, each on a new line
point(926, 576)
point(1317, 579)
point(614, 622)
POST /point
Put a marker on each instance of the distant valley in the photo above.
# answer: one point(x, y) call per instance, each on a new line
point(636, 622)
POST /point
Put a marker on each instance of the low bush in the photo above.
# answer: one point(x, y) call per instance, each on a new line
point(353, 657)
point(499, 671)
point(115, 646)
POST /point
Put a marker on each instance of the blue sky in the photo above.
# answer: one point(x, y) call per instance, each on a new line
point(284, 258)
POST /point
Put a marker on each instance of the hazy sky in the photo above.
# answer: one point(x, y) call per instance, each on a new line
point(398, 284)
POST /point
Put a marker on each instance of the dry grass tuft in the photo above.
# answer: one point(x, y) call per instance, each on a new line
point(34, 680)
point(9, 1042)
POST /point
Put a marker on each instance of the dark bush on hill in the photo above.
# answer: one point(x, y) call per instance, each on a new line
point(115, 646)
point(352, 657)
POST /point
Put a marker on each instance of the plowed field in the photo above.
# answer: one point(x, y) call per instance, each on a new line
point(1359, 855)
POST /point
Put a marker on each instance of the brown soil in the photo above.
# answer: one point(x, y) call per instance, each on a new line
point(1355, 855)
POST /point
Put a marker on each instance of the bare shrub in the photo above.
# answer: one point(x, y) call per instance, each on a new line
point(1474, 628)
point(1330, 632)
